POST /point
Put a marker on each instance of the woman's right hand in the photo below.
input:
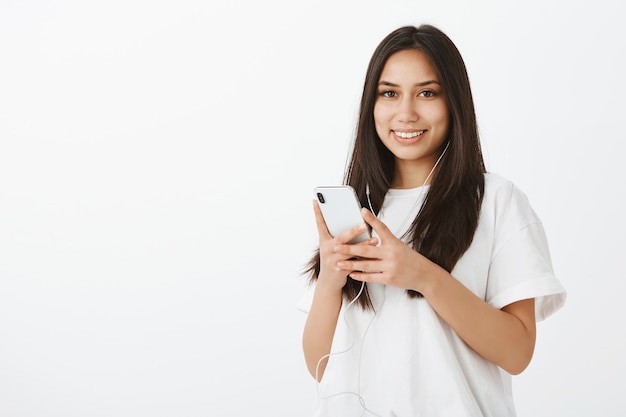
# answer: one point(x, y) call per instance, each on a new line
point(330, 275)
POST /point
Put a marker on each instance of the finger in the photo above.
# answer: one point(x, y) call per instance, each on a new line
point(368, 250)
point(381, 229)
point(350, 234)
point(367, 276)
point(370, 242)
point(322, 230)
point(361, 265)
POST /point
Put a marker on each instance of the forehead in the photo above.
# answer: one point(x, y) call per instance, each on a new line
point(410, 65)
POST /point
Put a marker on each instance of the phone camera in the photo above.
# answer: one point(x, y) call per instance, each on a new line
point(320, 197)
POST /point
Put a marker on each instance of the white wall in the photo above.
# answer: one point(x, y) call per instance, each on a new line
point(156, 166)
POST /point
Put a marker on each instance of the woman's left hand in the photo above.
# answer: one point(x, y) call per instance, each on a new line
point(393, 262)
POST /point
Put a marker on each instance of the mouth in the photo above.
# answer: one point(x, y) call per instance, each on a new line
point(408, 136)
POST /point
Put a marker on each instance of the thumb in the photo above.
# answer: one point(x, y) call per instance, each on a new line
point(381, 229)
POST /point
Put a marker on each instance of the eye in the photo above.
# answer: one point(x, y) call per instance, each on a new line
point(427, 93)
point(388, 93)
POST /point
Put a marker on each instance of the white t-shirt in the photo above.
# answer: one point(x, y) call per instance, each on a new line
point(405, 361)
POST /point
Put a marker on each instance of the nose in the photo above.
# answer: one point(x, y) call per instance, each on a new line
point(407, 111)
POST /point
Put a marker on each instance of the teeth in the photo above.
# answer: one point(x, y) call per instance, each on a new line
point(409, 135)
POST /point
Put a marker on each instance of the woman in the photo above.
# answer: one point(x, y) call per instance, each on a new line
point(438, 309)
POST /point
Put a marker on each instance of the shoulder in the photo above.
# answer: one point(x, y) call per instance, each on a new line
point(500, 188)
point(506, 200)
point(495, 183)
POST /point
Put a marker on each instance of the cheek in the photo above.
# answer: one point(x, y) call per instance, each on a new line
point(445, 121)
point(439, 115)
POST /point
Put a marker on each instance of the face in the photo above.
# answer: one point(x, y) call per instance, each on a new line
point(410, 113)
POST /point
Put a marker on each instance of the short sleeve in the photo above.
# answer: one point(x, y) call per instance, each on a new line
point(521, 266)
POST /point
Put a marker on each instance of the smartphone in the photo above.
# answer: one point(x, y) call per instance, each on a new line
point(341, 209)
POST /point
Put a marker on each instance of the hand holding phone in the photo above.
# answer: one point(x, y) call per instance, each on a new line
point(341, 210)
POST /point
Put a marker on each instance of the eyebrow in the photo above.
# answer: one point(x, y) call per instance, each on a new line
point(422, 84)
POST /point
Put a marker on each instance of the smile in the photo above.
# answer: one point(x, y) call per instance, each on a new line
point(409, 135)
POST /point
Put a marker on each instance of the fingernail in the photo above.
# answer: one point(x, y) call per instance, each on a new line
point(341, 264)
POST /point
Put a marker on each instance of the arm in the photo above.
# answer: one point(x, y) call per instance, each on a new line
point(319, 328)
point(321, 322)
point(505, 337)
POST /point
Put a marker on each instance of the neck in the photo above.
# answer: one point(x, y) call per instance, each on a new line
point(409, 175)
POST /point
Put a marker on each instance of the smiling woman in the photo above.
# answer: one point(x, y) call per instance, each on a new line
point(149, 262)
point(436, 316)
point(411, 115)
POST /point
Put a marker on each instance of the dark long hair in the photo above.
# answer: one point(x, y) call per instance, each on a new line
point(449, 216)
